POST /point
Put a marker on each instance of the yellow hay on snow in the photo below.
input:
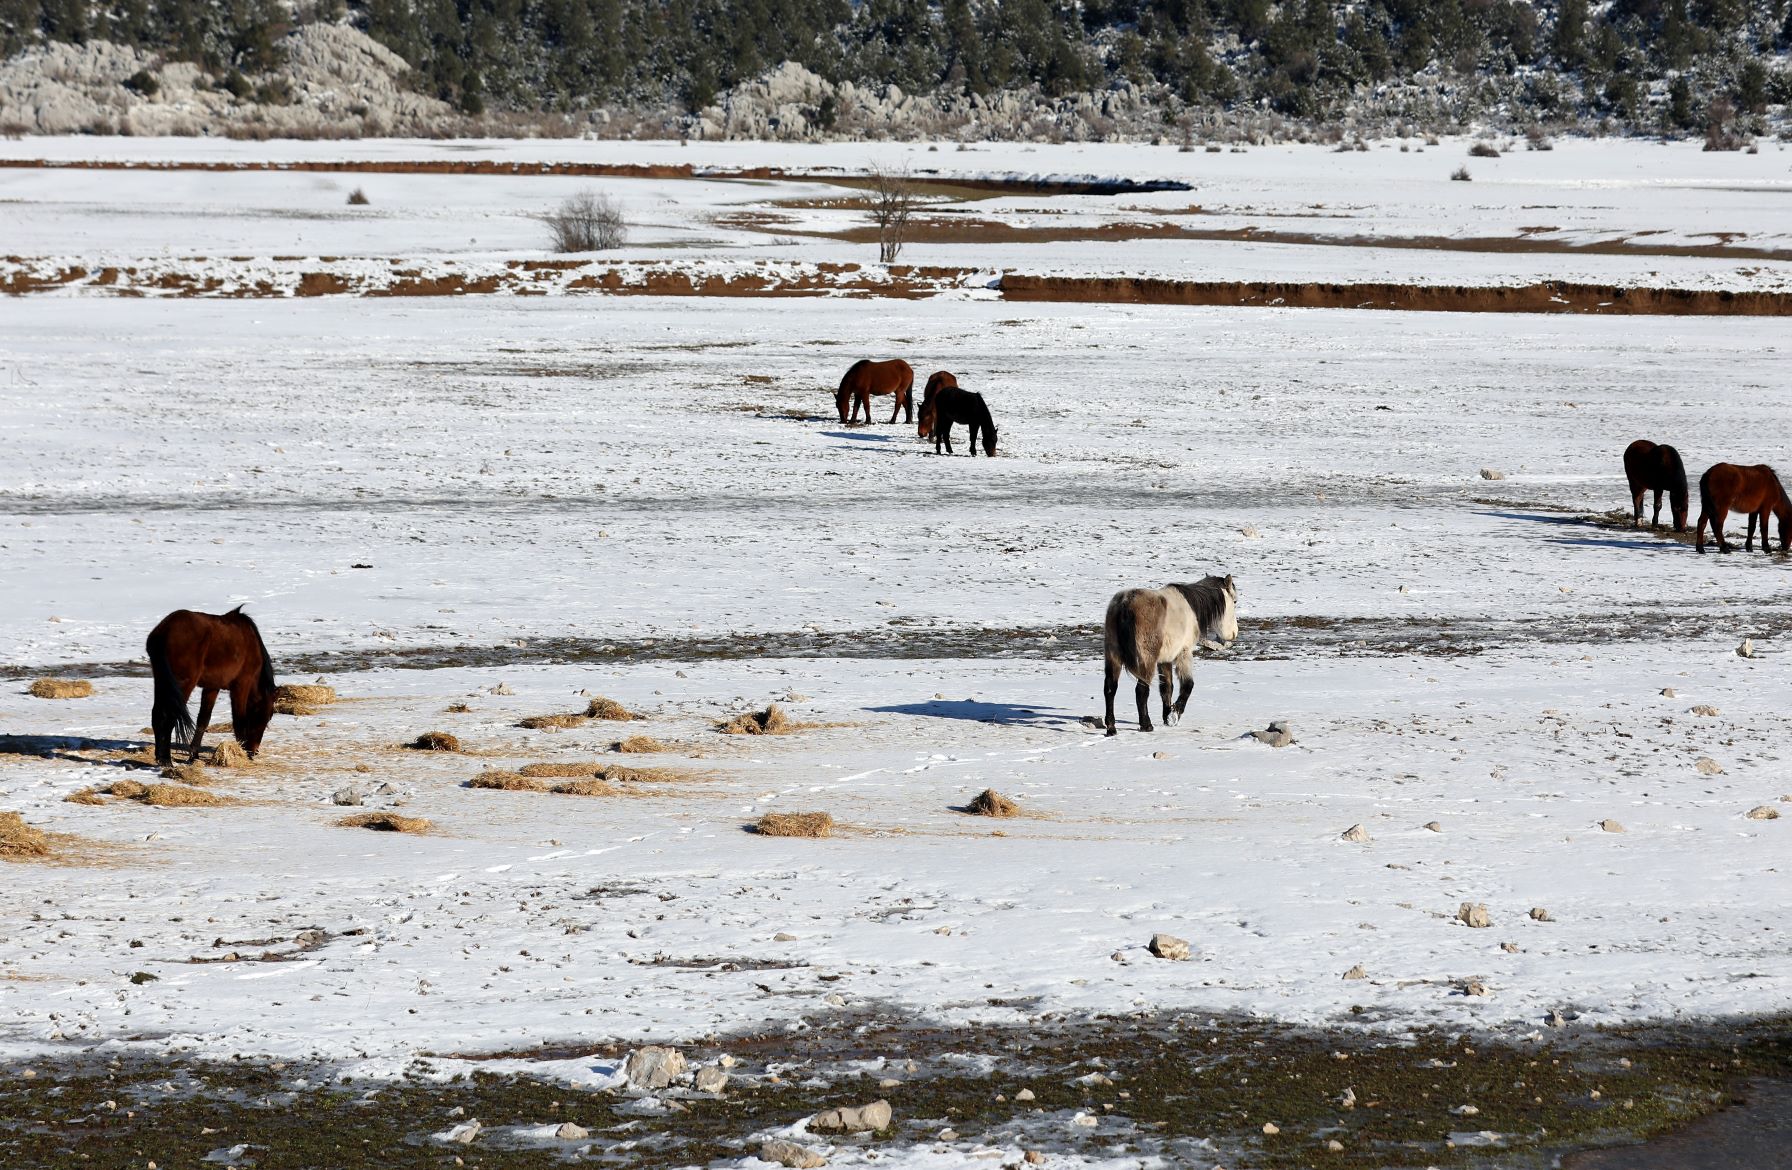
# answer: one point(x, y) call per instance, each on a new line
point(186, 774)
point(61, 688)
point(385, 822)
point(569, 771)
point(507, 782)
point(129, 789)
point(85, 796)
point(230, 754)
point(602, 708)
point(182, 796)
point(589, 787)
point(990, 803)
point(809, 824)
point(435, 741)
point(17, 839)
point(292, 707)
point(307, 694)
point(550, 722)
point(639, 743)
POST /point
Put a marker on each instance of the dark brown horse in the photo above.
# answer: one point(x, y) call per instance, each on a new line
point(1655, 467)
point(936, 381)
point(954, 405)
point(214, 652)
point(1726, 488)
point(867, 378)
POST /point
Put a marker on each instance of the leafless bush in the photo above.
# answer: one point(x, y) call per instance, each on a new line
point(1536, 138)
point(1460, 175)
point(1483, 150)
point(587, 222)
point(892, 205)
point(1721, 131)
point(358, 198)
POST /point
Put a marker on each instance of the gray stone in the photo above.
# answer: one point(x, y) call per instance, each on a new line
point(653, 1067)
point(711, 1078)
point(347, 797)
point(790, 1154)
point(1355, 833)
point(1490, 473)
point(860, 1119)
point(1279, 734)
point(570, 1132)
point(1474, 915)
point(1168, 946)
point(1539, 914)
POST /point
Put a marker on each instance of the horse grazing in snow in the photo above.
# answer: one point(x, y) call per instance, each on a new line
point(214, 652)
point(1149, 631)
point(1725, 487)
point(867, 378)
point(1655, 467)
point(952, 405)
point(936, 381)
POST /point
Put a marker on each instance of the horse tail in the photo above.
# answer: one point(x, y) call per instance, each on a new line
point(169, 704)
point(1705, 510)
point(1126, 636)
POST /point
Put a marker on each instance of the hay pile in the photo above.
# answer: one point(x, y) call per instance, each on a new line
point(435, 741)
point(182, 796)
point(566, 771)
point(230, 754)
point(990, 803)
point(809, 824)
point(186, 774)
point(588, 787)
point(623, 774)
point(602, 708)
point(85, 796)
point(129, 789)
point(302, 698)
point(385, 822)
point(598, 708)
point(507, 782)
point(639, 744)
point(771, 721)
point(17, 839)
point(61, 688)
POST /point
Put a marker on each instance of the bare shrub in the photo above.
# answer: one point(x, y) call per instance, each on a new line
point(435, 741)
point(587, 222)
point(1721, 130)
point(1461, 175)
point(1483, 150)
point(892, 206)
point(358, 198)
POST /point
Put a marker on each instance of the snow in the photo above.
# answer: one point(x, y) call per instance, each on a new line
point(542, 487)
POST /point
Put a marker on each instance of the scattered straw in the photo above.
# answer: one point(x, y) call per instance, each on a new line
point(186, 774)
point(810, 824)
point(570, 771)
point(640, 744)
point(550, 722)
point(435, 741)
point(290, 707)
point(623, 774)
point(588, 787)
point(771, 721)
point(385, 822)
point(230, 754)
point(17, 839)
point(85, 796)
point(990, 803)
point(507, 782)
point(128, 789)
point(62, 688)
point(182, 796)
point(602, 708)
point(457, 709)
point(308, 694)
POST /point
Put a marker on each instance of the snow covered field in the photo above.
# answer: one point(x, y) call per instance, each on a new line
point(652, 500)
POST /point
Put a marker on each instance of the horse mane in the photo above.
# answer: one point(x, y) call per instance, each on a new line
point(851, 370)
point(1207, 597)
point(264, 680)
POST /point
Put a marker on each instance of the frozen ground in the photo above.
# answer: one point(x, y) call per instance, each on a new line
point(1652, 214)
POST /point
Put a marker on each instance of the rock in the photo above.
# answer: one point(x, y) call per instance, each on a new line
point(1709, 767)
point(1355, 833)
point(1539, 914)
point(862, 1119)
point(1119, 957)
point(711, 1078)
point(570, 1132)
point(790, 1154)
point(502, 689)
point(1474, 915)
point(1611, 826)
point(1466, 1111)
point(1763, 812)
point(1705, 709)
point(464, 1133)
point(1168, 946)
point(653, 1067)
point(1356, 972)
point(1335, 1146)
point(1248, 532)
point(1747, 649)
point(349, 797)
point(1348, 1100)
point(1435, 826)
point(1490, 473)
point(1554, 1018)
point(1510, 948)
point(783, 936)
point(1271, 1129)
point(948, 1135)
point(1033, 1158)
point(1278, 735)
point(1474, 987)
point(1668, 693)
point(1160, 755)
point(1024, 1095)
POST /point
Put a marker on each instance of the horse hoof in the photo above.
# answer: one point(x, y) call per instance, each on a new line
point(1112, 732)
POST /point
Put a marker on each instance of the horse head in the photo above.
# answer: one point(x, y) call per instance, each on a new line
point(989, 439)
point(1228, 623)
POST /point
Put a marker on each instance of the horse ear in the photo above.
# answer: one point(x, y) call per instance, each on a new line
point(1230, 588)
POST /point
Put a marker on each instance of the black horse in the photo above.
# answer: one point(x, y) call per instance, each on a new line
point(953, 405)
point(1655, 467)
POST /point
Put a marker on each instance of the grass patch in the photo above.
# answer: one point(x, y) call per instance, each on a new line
point(182, 796)
point(990, 803)
point(590, 786)
point(507, 782)
point(551, 722)
point(771, 721)
point(640, 744)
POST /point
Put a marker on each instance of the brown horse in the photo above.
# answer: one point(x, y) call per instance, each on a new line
point(936, 381)
point(1657, 468)
point(867, 378)
point(1725, 488)
point(214, 652)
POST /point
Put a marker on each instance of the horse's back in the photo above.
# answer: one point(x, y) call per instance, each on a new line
point(1638, 458)
point(879, 377)
point(211, 647)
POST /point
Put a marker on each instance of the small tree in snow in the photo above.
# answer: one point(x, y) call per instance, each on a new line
point(587, 222)
point(892, 203)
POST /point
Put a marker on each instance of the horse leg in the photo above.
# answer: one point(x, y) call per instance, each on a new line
point(164, 729)
point(1636, 507)
point(1110, 683)
point(896, 406)
point(972, 443)
point(1748, 542)
point(1655, 520)
point(1185, 670)
point(207, 697)
point(1142, 693)
point(1163, 691)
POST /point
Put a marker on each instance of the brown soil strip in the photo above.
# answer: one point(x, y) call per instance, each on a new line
point(1551, 296)
point(956, 230)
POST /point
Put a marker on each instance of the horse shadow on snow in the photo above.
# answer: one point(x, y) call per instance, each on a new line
point(980, 712)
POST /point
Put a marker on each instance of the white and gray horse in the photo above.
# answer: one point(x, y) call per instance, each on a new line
point(1149, 631)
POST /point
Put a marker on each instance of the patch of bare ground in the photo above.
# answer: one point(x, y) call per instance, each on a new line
point(942, 229)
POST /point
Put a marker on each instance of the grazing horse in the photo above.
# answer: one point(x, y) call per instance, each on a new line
point(952, 405)
point(1655, 467)
point(1150, 630)
point(214, 652)
point(867, 378)
point(1725, 487)
point(936, 381)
